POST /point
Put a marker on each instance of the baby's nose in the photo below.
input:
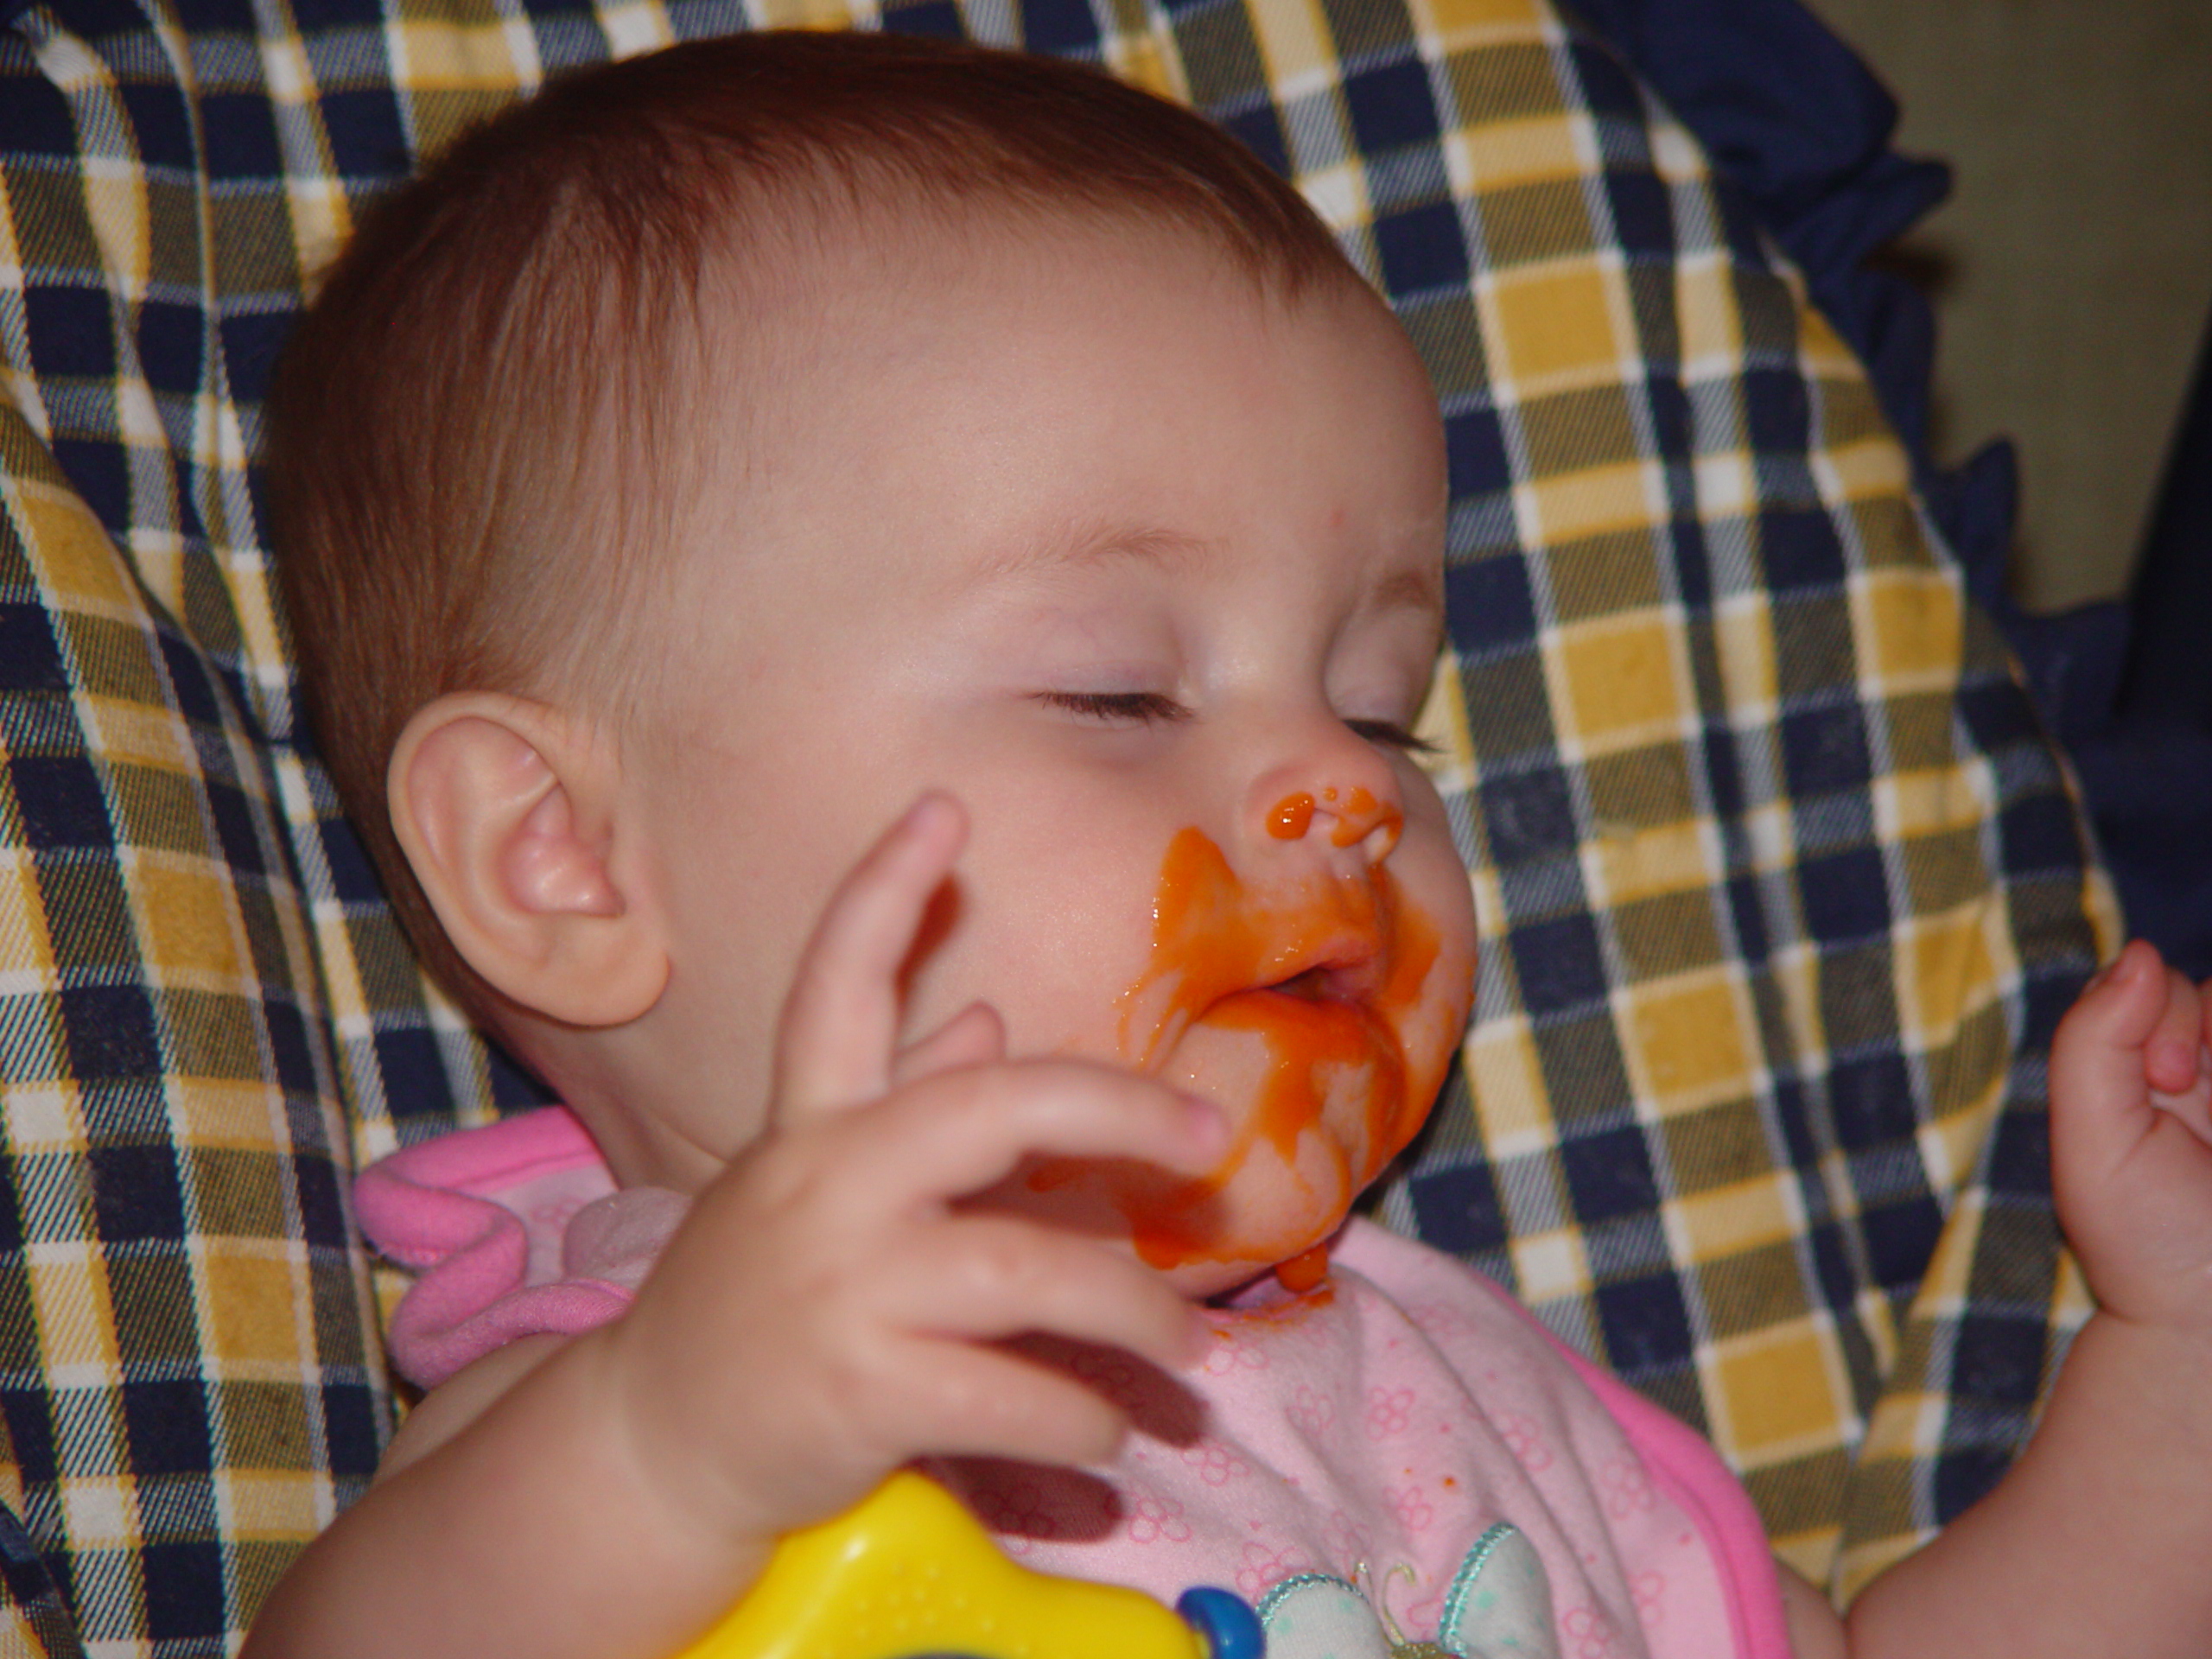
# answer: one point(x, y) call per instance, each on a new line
point(1346, 814)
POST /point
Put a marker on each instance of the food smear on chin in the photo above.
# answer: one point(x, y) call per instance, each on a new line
point(1326, 974)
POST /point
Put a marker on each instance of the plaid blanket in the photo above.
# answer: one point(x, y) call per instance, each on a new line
point(1781, 890)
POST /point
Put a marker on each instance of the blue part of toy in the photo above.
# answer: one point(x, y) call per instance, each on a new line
point(1230, 1627)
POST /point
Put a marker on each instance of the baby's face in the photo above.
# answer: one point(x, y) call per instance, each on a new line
point(1145, 570)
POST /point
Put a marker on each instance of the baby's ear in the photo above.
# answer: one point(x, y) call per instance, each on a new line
point(509, 813)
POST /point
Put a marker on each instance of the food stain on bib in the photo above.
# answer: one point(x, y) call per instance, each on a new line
point(1326, 974)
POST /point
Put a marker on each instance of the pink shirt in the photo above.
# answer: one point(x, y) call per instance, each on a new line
point(1404, 1454)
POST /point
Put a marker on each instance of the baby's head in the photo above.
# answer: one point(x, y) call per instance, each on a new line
point(703, 461)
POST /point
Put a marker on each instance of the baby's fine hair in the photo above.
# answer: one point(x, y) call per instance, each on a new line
point(482, 429)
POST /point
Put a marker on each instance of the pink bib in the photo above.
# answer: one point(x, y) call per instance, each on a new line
point(1404, 1454)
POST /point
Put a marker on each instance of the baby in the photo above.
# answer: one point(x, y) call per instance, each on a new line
point(867, 597)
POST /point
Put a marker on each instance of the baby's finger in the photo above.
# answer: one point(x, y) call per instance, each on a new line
point(974, 1036)
point(2122, 1006)
point(840, 1023)
point(958, 1132)
point(962, 1399)
point(989, 1276)
point(2173, 1056)
point(2100, 1094)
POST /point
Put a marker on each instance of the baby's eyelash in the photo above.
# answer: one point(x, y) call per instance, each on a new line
point(1391, 735)
point(1150, 707)
point(1143, 707)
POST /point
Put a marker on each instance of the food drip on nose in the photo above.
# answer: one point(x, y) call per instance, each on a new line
point(1359, 816)
point(1307, 985)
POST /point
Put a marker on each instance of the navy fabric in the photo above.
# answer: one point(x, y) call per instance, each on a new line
point(1801, 126)
point(2148, 776)
point(2168, 682)
point(1802, 129)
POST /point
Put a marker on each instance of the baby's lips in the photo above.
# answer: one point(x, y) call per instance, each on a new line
point(1348, 966)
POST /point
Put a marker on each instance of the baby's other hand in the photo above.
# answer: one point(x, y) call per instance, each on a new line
point(828, 1312)
point(2131, 1118)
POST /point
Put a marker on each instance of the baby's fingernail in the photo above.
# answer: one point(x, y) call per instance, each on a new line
point(1208, 1124)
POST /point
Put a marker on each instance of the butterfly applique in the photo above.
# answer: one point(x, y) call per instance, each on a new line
point(1499, 1606)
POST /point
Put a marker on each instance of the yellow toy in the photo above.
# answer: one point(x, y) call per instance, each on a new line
point(909, 1574)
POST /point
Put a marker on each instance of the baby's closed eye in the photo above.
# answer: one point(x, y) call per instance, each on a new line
point(1137, 708)
point(1155, 708)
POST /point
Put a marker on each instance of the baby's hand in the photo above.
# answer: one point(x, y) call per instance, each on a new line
point(2131, 1125)
point(826, 1312)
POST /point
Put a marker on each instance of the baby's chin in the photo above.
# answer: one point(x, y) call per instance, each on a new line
point(1309, 1139)
point(1204, 1251)
point(1274, 1202)
point(1320, 1100)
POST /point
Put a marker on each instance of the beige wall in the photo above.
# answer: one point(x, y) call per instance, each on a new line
point(2072, 268)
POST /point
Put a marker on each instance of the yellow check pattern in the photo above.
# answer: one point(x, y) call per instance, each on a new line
point(1781, 890)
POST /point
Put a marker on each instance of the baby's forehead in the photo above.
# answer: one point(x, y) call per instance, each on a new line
point(845, 310)
point(935, 403)
point(791, 269)
point(813, 328)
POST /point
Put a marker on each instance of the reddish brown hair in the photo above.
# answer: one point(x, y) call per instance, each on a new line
point(476, 430)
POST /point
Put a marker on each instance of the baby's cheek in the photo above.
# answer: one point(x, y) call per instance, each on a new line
point(1432, 1023)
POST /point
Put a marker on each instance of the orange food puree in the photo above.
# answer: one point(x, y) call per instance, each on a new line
point(1293, 814)
point(1304, 1270)
point(1326, 973)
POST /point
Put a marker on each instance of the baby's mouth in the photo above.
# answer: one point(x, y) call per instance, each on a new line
point(1287, 1007)
point(1215, 941)
point(1308, 986)
point(1351, 977)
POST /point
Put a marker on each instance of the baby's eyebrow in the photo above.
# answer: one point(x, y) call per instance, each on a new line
point(1087, 548)
point(1082, 547)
